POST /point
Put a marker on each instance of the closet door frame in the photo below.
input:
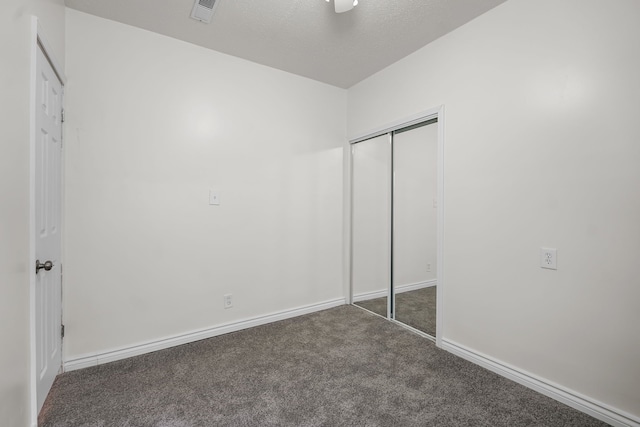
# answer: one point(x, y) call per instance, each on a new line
point(434, 113)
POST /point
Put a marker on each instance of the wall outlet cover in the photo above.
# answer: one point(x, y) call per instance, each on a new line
point(228, 301)
point(549, 258)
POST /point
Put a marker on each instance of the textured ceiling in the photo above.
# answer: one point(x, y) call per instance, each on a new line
point(304, 37)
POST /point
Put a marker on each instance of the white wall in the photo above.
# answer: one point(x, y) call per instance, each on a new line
point(542, 149)
point(15, 265)
point(154, 123)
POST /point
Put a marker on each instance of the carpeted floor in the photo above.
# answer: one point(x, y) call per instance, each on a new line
point(339, 367)
point(414, 308)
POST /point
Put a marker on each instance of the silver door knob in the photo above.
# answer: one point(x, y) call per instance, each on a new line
point(47, 265)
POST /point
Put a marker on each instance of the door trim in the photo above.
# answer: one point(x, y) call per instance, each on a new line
point(433, 113)
point(38, 41)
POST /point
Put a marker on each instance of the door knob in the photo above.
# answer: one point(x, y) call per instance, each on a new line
point(47, 265)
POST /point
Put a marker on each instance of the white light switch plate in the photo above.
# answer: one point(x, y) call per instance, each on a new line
point(214, 197)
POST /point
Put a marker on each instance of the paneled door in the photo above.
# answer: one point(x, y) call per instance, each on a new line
point(48, 209)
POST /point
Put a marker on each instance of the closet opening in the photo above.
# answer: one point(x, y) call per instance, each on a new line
point(396, 202)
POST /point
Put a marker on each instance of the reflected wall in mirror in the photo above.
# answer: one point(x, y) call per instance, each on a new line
point(415, 226)
point(371, 224)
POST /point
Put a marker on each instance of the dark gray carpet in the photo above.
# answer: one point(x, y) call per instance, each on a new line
point(414, 308)
point(418, 309)
point(339, 367)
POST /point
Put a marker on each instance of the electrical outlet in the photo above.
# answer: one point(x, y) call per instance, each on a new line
point(428, 268)
point(549, 258)
point(228, 301)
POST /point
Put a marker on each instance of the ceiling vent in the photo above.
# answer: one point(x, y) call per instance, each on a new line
point(203, 10)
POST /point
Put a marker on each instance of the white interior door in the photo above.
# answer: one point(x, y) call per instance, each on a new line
point(48, 207)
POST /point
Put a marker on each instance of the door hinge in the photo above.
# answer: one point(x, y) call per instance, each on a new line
point(61, 331)
point(62, 116)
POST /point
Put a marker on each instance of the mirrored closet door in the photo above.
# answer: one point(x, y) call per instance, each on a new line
point(371, 224)
point(415, 226)
point(394, 225)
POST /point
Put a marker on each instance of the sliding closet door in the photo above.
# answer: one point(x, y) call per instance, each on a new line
point(371, 223)
point(415, 226)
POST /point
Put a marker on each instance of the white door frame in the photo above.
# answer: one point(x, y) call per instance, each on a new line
point(38, 41)
point(433, 113)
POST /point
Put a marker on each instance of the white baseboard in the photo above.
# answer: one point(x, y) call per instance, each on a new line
point(399, 289)
point(95, 359)
point(370, 295)
point(415, 286)
point(569, 397)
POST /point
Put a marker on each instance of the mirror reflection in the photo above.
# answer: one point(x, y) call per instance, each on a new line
point(415, 226)
point(371, 224)
point(394, 225)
